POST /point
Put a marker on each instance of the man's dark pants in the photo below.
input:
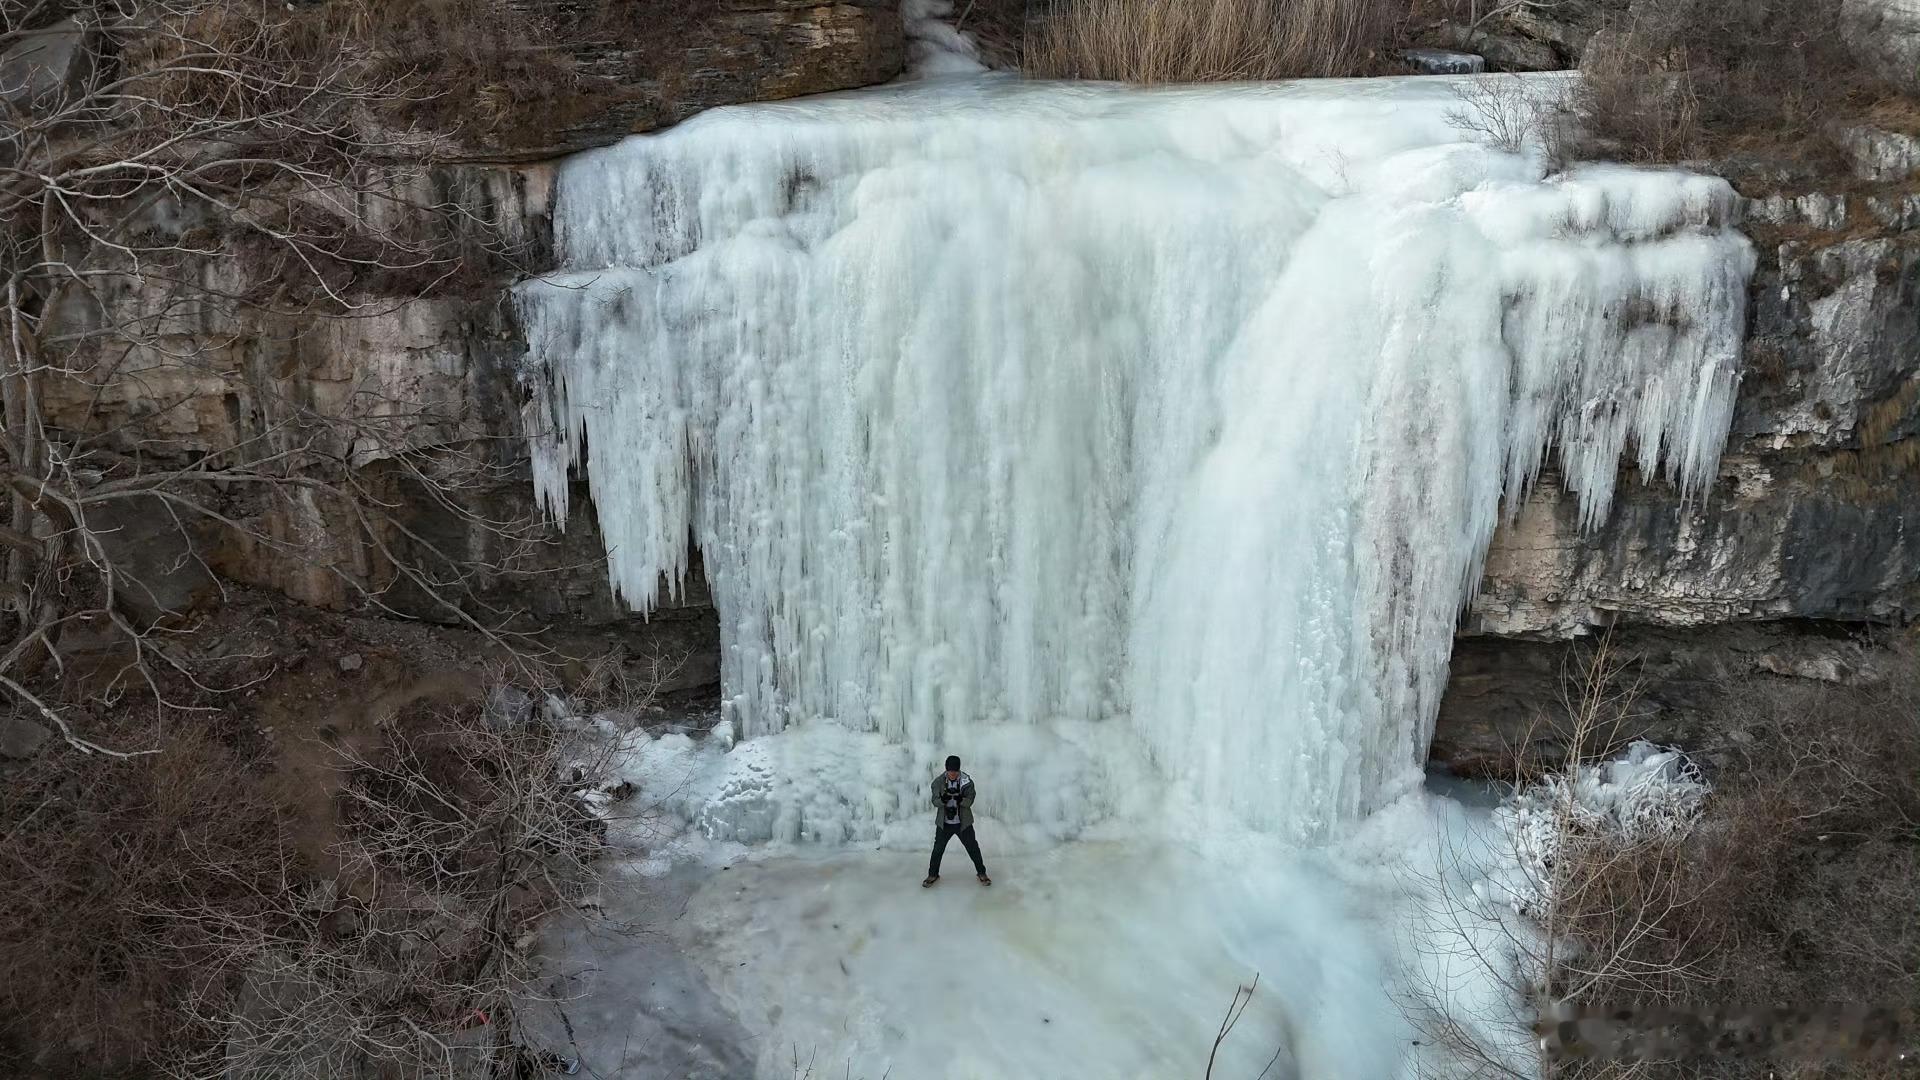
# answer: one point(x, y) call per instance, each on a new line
point(944, 832)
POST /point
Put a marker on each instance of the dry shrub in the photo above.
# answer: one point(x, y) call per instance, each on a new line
point(91, 848)
point(476, 63)
point(1673, 79)
point(457, 839)
point(998, 27)
point(1795, 888)
point(1507, 113)
point(235, 60)
point(438, 66)
point(1172, 41)
point(484, 69)
point(1799, 886)
point(155, 919)
point(392, 73)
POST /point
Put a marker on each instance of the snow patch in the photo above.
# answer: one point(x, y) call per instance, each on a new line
point(822, 784)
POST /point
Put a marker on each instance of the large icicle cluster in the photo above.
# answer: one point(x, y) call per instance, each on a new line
point(1054, 424)
point(1646, 793)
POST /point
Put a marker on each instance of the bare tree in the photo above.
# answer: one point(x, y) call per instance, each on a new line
point(1563, 882)
point(468, 829)
point(180, 180)
point(1509, 114)
point(200, 200)
point(1237, 1008)
point(1638, 945)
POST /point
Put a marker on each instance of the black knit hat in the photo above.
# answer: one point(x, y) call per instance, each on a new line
point(953, 763)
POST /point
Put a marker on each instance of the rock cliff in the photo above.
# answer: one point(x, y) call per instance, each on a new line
point(1808, 544)
point(617, 67)
point(1813, 526)
point(1815, 517)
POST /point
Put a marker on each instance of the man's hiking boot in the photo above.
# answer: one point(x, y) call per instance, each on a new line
point(928, 884)
point(984, 879)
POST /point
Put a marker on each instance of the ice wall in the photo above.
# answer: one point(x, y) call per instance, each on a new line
point(1055, 423)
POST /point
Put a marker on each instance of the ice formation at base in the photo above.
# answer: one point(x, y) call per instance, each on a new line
point(1109, 436)
point(1645, 792)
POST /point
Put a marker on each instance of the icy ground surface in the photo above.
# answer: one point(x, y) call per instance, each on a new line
point(1111, 958)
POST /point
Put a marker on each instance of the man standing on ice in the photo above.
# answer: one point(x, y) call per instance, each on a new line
point(953, 816)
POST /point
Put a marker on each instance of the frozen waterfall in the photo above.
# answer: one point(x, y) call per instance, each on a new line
point(1072, 427)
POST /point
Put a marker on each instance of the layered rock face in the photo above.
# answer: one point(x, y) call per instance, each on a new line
point(414, 402)
point(1816, 514)
point(1809, 540)
point(638, 65)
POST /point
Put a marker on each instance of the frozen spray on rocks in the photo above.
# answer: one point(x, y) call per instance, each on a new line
point(1123, 439)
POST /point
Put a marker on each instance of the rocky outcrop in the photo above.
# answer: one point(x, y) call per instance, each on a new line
point(1809, 539)
point(1511, 702)
point(1816, 512)
point(1525, 37)
point(402, 387)
point(630, 66)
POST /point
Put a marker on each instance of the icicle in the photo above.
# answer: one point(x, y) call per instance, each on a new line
point(1068, 423)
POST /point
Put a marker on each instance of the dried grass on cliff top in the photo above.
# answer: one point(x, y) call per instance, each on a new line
point(1170, 41)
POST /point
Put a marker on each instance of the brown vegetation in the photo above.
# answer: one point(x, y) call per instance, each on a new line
point(204, 175)
point(1797, 886)
point(493, 72)
point(1506, 113)
point(90, 850)
point(1172, 41)
point(1672, 79)
point(197, 177)
point(1000, 28)
point(163, 920)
